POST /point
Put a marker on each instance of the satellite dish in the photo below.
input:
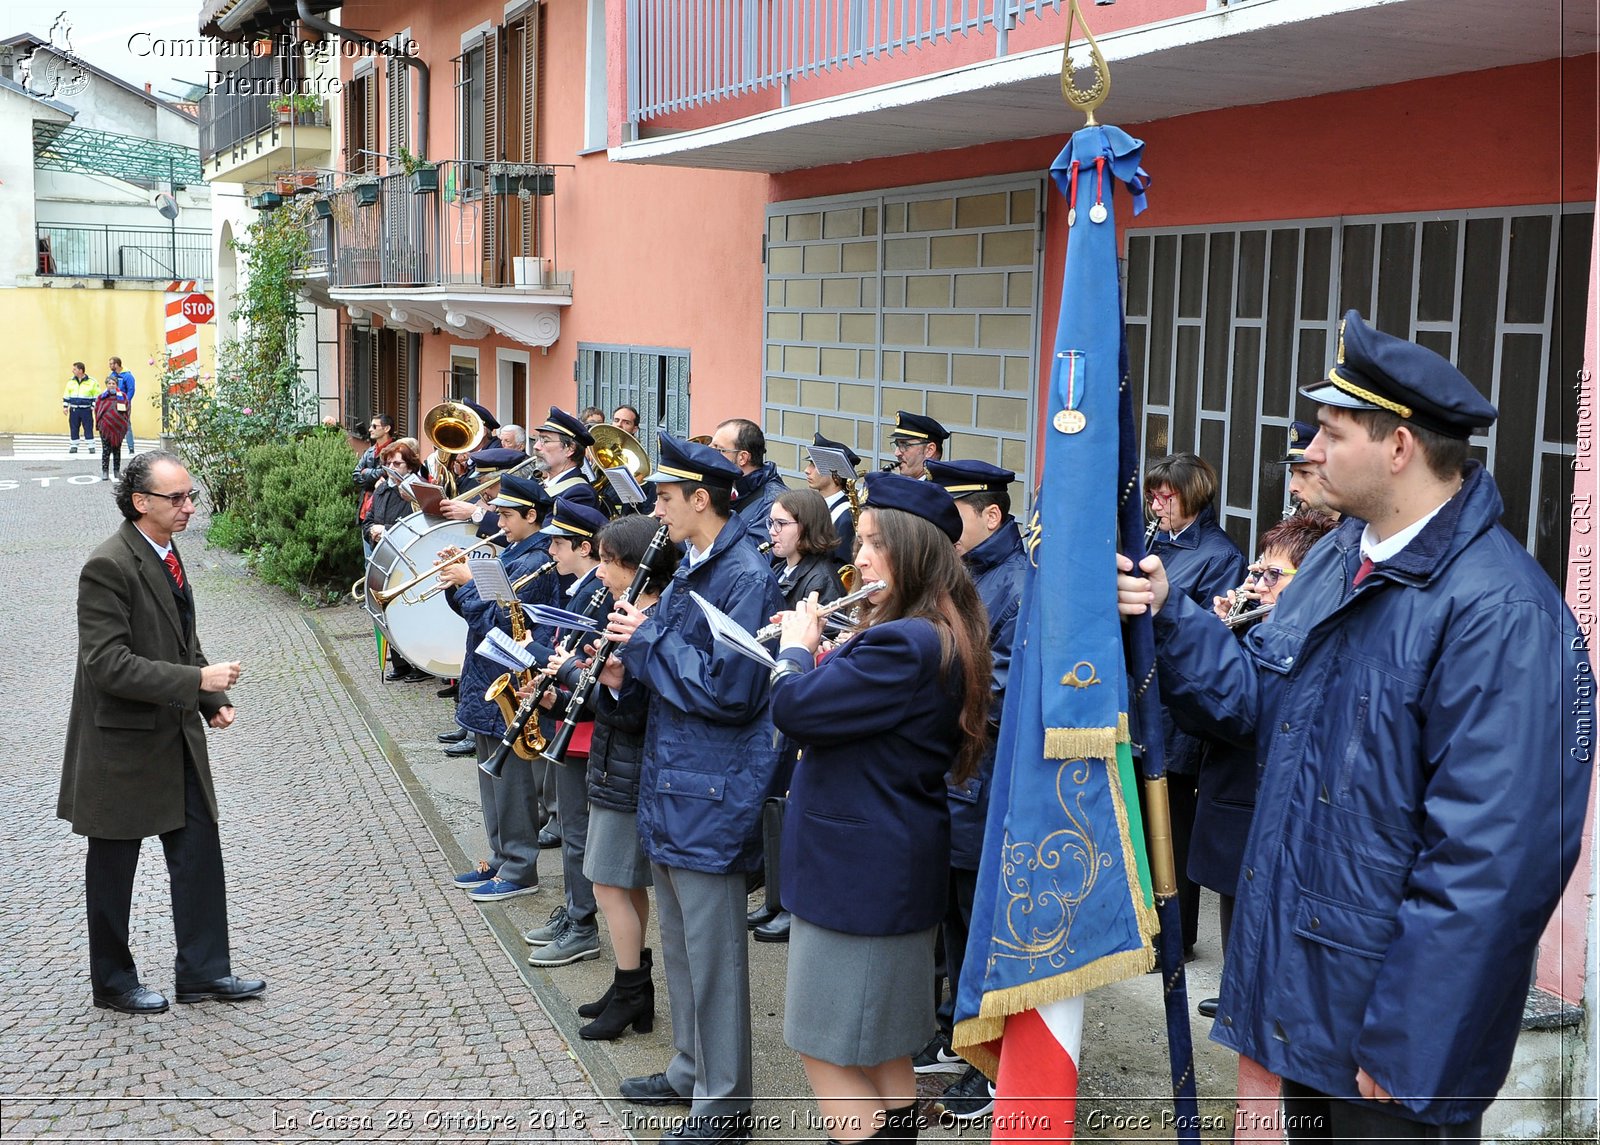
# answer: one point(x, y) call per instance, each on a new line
point(167, 205)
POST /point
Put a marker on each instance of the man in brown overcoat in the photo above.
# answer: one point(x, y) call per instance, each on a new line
point(136, 760)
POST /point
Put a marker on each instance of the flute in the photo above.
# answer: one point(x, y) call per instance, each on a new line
point(1239, 619)
point(772, 631)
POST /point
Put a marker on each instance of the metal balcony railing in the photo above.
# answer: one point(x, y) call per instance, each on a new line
point(684, 53)
point(473, 229)
point(240, 106)
point(90, 251)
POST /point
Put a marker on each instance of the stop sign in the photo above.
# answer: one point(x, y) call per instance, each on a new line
point(198, 308)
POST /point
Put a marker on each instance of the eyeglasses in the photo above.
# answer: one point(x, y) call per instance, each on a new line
point(725, 450)
point(777, 525)
point(1156, 497)
point(177, 499)
point(903, 446)
point(1270, 575)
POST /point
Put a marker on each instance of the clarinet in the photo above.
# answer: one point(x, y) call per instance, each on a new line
point(525, 710)
point(555, 750)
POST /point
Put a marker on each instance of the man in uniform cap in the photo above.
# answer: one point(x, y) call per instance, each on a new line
point(560, 442)
point(1417, 700)
point(916, 439)
point(1304, 491)
point(709, 760)
point(831, 486)
point(991, 548)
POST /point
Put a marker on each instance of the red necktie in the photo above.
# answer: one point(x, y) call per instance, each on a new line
point(1361, 573)
point(174, 568)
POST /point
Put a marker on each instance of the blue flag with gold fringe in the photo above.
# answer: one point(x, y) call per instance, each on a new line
point(1063, 902)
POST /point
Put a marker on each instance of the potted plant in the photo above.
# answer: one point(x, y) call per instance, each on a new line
point(323, 206)
point(521, 179)
point(297, 183)
point(424, 175)
point(364, 188)
point(300, 107)
point(267, 201)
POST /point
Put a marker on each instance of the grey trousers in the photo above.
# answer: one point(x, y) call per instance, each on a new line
point(572, 796)
point(703, 945)
point(508, 816)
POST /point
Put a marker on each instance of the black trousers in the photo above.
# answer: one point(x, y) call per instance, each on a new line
point(1311, 1115)
point(199, 899)
point(953, 930)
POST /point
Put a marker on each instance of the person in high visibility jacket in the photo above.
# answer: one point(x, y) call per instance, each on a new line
point(77, 402)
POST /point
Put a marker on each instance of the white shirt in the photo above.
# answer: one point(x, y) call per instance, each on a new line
point(1378, 551)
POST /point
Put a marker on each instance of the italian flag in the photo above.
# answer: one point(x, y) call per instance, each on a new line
point(1036, 1085)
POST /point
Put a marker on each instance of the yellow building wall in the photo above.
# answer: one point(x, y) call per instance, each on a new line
point(46, 329)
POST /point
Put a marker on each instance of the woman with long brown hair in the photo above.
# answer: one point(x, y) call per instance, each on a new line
point(883, 720)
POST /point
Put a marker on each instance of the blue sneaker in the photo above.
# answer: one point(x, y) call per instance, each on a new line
point(498, 890)
point(475, 878)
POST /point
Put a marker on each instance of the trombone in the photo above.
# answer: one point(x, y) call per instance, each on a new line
point(615, 448)
point(385, 596)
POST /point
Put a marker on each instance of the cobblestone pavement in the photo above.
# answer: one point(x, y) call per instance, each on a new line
point(397, 1008)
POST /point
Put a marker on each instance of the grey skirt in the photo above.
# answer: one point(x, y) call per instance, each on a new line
point(613, 855)
point(855, 999)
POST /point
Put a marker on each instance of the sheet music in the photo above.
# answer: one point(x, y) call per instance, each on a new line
point(504, 651)
point(626, 488)
point(830, 460)
point(490, 577)
point(425, 497)
point(727, 633)
point(559, 618)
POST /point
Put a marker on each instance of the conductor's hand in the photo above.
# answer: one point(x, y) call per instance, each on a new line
point(623, 622)
point(219, 677)
point(456, 510)
point(1137, 593)
point(801, 626)
point(223, 718)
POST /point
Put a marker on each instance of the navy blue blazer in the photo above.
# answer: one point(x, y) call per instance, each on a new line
point(866, 835)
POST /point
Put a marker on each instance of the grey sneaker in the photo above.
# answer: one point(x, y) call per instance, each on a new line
point(575, 943)
point(550, 931)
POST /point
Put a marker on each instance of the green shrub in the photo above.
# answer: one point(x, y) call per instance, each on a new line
point(302, 512)
point(230, 530)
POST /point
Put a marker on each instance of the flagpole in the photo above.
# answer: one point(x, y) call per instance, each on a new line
point(1139, 646)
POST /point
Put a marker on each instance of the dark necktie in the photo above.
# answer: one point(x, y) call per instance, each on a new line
point(1361, 573)
point(175, 569)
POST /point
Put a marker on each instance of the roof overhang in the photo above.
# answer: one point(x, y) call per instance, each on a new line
point(239, 20)
point(530, 315)
point(1245, 54)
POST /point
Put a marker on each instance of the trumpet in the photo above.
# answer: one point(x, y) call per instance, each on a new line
point(384, 596)
point(772, 631)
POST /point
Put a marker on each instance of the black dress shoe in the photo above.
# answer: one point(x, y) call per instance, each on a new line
point(139, 1000)
point(229, 989)
point(1208, 1007)
point(548, 839)
point(652, 1089)
point(760, 916)
point(454, 734)
point(450, 691)
point(722, 1128)
point(468, 746)
point(777, 930)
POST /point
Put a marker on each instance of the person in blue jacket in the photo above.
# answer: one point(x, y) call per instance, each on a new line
point(991, 548)
point(709, 760)
point(507, 801)
point(1202, 562)
point(742, 442)
point(1422, 703)
point(884, 719)
point(123, 380)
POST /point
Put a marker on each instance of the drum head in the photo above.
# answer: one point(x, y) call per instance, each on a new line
point(426, 632)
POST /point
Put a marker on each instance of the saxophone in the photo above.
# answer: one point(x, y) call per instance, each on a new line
point(503, 692)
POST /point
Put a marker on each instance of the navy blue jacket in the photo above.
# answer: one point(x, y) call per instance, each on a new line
point(845, 524)
point(866, 833)
point(1201, 562)
point(1426, 757)
point(709, 748)
point(473, 712)
point(754, 494)
point(997, 567)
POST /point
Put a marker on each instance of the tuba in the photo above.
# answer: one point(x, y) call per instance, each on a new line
point(453, 428)
point(615, 448)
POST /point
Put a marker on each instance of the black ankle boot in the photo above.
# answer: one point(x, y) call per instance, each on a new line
point(598, 1006)
point(633, 1003)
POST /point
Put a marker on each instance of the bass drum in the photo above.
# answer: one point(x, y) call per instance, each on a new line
point(426, 632)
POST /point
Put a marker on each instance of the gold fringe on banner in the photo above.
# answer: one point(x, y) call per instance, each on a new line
point(1081, 743)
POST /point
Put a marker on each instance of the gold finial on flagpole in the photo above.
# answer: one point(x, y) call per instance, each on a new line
point(1085, 99)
